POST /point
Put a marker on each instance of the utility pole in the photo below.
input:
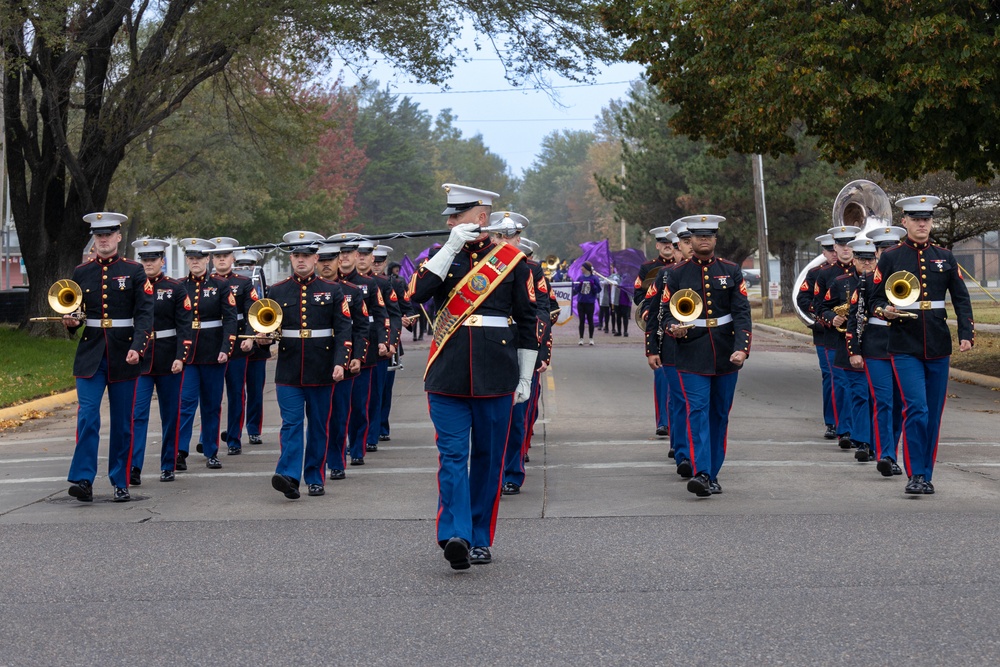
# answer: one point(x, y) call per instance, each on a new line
point(623, 187)
point(765, 268)
point(4, 195)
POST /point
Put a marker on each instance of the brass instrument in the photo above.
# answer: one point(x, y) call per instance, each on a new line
point(843, 310)
point(902, 289)
point(550, 265)
point(685, 306)
point(264, 317)
point(65, 297)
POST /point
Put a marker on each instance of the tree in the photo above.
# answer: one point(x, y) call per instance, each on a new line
point(908, 87)
point(83, 81)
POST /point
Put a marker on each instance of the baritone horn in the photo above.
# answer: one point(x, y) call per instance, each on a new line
point(264, 317)
point(65, 297)
point(902, 289)
point(550, 266)
point(685, 306)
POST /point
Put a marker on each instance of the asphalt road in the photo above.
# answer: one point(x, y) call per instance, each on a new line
point(808, 558)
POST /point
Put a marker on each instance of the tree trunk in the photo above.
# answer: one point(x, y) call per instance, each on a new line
point(786, 256)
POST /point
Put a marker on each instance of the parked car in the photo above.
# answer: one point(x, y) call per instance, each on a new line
point(752, 277)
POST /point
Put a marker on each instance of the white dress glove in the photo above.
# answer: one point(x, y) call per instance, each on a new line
point(460, 235)
point(526, 367)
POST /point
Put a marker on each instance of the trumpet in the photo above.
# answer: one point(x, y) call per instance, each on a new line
point(65, 297)
point(264, 317)
point(902, 289)
point(685, 306)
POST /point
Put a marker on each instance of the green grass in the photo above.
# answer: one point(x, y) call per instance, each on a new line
point(31, 367)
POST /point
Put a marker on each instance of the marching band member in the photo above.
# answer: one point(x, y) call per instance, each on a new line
point(375, 263)
point(329, 269)
point(410, 315)
point(479, 366)
point(315, 347)
point(710, 354)
point(214, 333)
point(163, 361)
point(805, 300)
point(921, 346)
point(831, 340)
point(118, 303)
point(236, 369)
point(647, 274)
point(247, 260)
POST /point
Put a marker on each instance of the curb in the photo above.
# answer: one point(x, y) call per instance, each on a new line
point(44, 403)
point(954, 373)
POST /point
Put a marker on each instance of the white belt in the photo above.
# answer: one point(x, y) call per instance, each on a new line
point(165, 333)
point(923, 305)
point(713, 322)
point(306, 333)
point(486, 321)
point(877, 322)
point(108, 324)
point(239, 316)
point(371, 318)
point(208, 324)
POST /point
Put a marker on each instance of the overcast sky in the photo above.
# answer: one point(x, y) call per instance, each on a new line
point(512, 121)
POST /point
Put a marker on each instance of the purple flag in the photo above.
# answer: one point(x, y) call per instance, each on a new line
point(406, 268)
point(598, 253)
point(627, 263)
point(425, 252)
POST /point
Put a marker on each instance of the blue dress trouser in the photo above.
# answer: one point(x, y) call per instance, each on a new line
point(677, 408)
point(841, 395)
point(660, 397)
point(168, 395)
point(357, 423)
point(121, 399)
point(518, 436)
point(298, 404)
point(340, 413)
point(709, 399)
point(858, 405)
point(236, 380)
point(886, 410)
point(383, 422)
point(202, 386)
point(375, 401)
point(923, 387)
point(256, 375)
point(469, 478)
point(829, 412)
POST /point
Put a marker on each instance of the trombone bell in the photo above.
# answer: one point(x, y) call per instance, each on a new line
point(65, 296)
point(902, 289)
point(685, 305)
point(264, 316)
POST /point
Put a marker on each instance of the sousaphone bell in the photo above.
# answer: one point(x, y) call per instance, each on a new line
point(65, 297)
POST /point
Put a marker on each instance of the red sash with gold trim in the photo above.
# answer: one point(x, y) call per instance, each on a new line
point(466, 296)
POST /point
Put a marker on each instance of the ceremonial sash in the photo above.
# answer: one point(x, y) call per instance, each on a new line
point(466, 296)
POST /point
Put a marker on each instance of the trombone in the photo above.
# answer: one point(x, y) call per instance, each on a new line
point(264, 317)
point(902, 289)
point(685, 306)
point(65, 297)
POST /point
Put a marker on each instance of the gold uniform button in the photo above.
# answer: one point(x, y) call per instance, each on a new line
point(710, 303)
point(475, 255)
point(708, 294)
point(303, 310)
point(923, 285)
point(709, 311)
point(923, 275)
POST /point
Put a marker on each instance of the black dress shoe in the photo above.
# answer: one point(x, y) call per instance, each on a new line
point(287, 485)
point(82, 491)
point(316, 490)
point(200, 448)
point(671, 453)
point(254, 439)
point(510, 489)
point(373, 447)
point(864, 453)
point(896, 470)
point(235, 451)
point(527, 459)
point(337, 473)
point(845, 441)
point(224, 436)
point(167, 476)
point(928, 489)
point(884, 466)
point(480, 556)
point(357, 461)
point(831, 432)
point(915, 486)
point(700, 485)
point(662, 430)
point(134, 477)
point(625, 334)
point(181, 461)
point(384, 438)
point(684, 469)
point(714, 487)
point(121, 495)
point(456, 552)
point(213, 462)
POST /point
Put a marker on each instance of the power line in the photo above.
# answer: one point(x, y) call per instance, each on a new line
point(517, 120)
point(514, 90)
